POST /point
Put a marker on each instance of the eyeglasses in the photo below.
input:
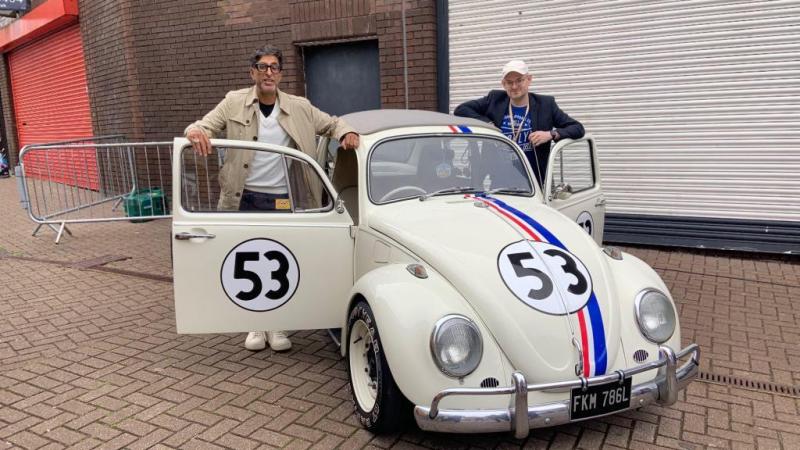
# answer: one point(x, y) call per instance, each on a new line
point(264, 67)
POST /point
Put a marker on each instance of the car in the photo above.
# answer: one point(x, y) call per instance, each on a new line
point(467, 296)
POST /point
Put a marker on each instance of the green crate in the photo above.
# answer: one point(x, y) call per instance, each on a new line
point(145, 202)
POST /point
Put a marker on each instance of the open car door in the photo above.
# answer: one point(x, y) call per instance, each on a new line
point(572, 185)
point(286, 269)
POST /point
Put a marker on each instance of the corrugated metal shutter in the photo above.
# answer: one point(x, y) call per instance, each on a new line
point(51, 103)
point(695, 105)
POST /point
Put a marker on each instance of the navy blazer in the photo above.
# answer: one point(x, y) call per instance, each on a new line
point(546, 116)
point(546, 113)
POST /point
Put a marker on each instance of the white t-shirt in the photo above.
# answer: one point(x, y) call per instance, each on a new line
point(267, 170)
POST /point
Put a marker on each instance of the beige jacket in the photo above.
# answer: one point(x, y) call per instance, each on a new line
point(236, 115)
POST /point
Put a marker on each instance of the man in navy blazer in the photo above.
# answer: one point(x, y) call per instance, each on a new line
point(531, 120)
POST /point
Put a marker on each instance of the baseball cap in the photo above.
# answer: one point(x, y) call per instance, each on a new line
point(515, 65)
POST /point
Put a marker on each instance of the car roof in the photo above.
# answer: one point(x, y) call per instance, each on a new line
point(372, 121)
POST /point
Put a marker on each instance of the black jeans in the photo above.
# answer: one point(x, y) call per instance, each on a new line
point(259, 201)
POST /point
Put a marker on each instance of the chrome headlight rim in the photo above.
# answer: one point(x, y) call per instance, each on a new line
point(437, 328)
point(637, 302)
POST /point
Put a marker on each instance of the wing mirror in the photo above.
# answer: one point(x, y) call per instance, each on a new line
point(339, 204)
point(562, 192)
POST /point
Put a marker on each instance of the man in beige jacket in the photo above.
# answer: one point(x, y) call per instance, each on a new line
point(256, 180)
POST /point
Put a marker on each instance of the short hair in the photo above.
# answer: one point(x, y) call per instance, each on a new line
point(264, 51)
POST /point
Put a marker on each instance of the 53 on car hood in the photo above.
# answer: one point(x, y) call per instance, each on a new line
point(536, 279)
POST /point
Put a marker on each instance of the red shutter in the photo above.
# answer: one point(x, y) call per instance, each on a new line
point(51, 103)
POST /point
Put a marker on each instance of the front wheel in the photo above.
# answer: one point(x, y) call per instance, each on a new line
point(379, 404)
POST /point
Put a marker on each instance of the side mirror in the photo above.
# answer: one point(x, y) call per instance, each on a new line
point(562, 191)
point(339, 204)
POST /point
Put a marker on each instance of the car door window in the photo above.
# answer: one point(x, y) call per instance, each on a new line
point(204, 178)
point(573, 167)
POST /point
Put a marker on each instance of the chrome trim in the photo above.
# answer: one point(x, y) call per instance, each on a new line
point(438, 325)
point(418, 270)
point(185, 236)
point(663, 389)
point(613, 252)
point(636, 303)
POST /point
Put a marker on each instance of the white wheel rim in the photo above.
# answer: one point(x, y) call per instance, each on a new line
point(365, 387)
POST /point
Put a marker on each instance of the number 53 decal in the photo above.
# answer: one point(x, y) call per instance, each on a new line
point(545, 277)
point(260, 275)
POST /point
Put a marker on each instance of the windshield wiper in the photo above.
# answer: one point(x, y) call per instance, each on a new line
point(507, 191)
point(450, 190)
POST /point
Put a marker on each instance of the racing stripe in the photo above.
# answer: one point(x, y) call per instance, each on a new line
point(508, 216)
point(453, 129)
point(548, 236)
point(464, 129)
point(584, 343)
point(598, 333)
point(594, 333)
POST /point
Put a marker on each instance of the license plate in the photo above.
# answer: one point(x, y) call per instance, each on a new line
point(600, 399)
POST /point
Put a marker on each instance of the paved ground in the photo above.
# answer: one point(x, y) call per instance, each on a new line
point(89, 358)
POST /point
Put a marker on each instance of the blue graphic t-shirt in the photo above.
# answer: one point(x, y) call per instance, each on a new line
point(519, 116)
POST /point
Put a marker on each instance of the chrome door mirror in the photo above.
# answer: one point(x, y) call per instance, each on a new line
point(562, 191)
point(339, 204)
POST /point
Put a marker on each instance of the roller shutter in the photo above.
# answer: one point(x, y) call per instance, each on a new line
point(694, 104)
point(51, 103)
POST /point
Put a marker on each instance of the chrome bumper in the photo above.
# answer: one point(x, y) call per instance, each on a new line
point(663, 390)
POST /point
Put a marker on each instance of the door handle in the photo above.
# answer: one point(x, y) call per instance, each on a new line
point(185, 236)
point(600, 202)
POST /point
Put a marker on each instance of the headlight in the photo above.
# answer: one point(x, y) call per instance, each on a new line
point(655, 315)
point(456, 345)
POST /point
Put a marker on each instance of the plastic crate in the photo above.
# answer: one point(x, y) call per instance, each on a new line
point(145, 202)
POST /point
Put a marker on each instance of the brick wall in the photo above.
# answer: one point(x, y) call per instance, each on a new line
point(178, 61)
point(154, 67)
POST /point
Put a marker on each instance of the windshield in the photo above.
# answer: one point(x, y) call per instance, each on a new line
point(438, 165)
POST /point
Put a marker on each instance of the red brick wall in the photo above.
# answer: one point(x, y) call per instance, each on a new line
point(178, 61)
point(154, 67)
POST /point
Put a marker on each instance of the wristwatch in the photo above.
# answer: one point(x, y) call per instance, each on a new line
point(554, 134)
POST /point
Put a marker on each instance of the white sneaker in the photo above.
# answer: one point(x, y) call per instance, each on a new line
point(278, 341)
point(256, 340)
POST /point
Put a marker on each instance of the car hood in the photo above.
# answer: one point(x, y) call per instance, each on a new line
point(499, 253)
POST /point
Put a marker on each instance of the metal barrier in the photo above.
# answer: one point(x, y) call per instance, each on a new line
point(87, 180)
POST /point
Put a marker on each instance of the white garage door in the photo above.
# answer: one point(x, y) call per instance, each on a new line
point(695, 105)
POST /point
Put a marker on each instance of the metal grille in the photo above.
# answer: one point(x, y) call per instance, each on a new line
point(49, 90)
point(753, 385)
point(490, 382)
point(640, 356)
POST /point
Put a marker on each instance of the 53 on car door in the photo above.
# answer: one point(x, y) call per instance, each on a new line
point(235, 270)
point(573, 186)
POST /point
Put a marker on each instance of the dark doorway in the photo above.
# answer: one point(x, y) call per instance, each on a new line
point(343, 78)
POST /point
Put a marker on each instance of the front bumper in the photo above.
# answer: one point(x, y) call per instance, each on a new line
point(663, 390)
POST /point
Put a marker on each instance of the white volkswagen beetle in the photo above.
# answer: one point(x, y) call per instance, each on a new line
point(464, 293)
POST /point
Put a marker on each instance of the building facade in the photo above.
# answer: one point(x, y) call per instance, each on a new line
point(694, 107)
point(148, 69)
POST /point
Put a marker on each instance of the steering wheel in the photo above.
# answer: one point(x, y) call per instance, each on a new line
point(397, 190)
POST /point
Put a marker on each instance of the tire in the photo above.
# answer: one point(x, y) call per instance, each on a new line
point(379, 405)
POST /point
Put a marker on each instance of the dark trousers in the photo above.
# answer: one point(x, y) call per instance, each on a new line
point(259, 201)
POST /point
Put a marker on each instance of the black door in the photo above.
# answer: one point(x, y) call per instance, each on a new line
point(343, 78)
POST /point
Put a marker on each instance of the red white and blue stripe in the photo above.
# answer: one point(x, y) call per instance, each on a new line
point(460, 129)
point(590, 317)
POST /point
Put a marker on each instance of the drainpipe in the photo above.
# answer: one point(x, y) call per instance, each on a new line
point(405, 52)
point(442, 57)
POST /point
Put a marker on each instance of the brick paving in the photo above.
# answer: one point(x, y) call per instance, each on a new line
point(90, 359)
